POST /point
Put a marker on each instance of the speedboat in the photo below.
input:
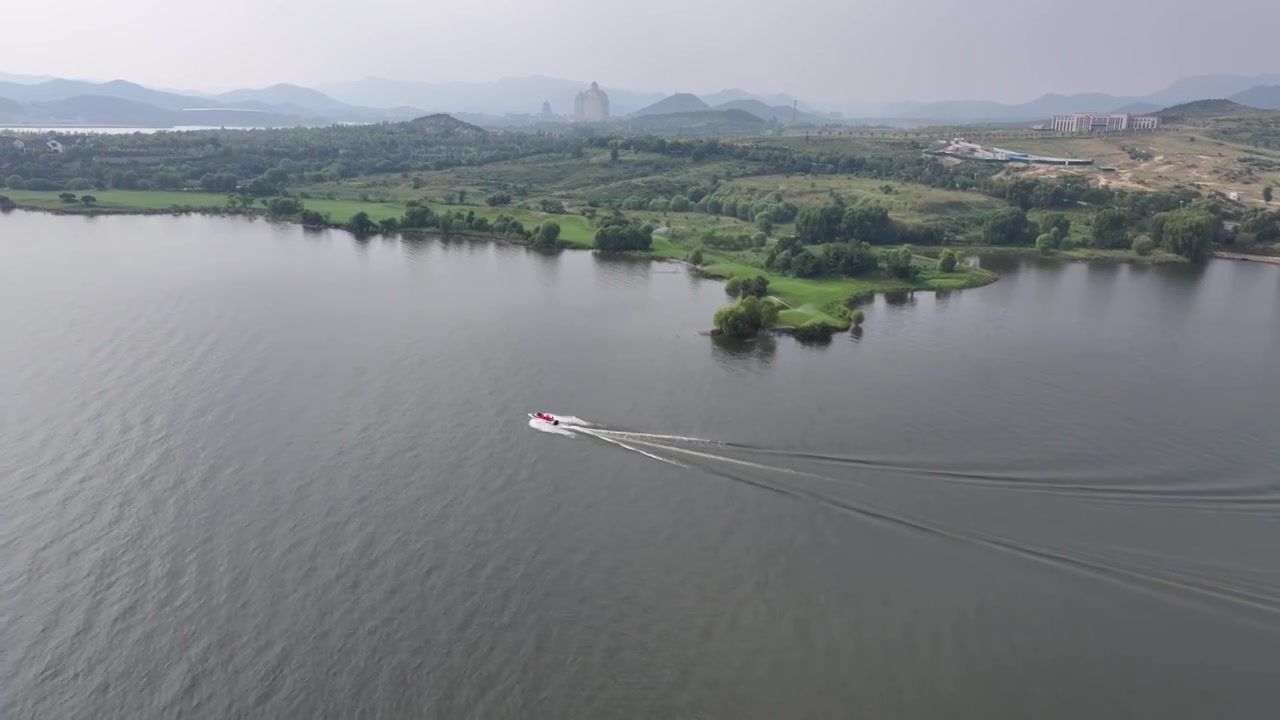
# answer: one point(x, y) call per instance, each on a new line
point(544, 418)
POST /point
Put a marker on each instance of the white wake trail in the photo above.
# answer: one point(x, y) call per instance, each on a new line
point(619, 443)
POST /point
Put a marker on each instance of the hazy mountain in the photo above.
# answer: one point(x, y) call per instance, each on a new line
point(784, 114)
point(700, 122)
point(1199, 87)
point(289, 95)
point(1041, 108)
point(1266, 97)
point(103, 110)
point(1204, 109)
point(1137, 108)
point(60, 89)
point(717, 99)
point(508, 95)
point(678, 103)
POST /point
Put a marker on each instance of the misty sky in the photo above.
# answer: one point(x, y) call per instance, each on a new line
point(830, 51)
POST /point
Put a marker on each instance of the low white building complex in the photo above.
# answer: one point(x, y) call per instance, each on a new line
point(1103, 122)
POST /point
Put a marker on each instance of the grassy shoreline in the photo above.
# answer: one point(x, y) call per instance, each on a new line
point(824, 300)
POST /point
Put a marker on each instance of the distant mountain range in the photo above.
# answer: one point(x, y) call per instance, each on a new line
point(120, 102)
point(686, 103)
point(34, 100)
point(1244, 89)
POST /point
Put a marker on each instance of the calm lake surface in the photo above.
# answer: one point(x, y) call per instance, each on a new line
point(250, 471)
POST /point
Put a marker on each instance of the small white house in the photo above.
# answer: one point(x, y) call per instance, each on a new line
point(54, 145)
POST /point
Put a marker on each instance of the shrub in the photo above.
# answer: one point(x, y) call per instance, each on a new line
point(856, 318)
point(695, 257)
point(1143, 245)
point(1046, 243)
point(947, 261)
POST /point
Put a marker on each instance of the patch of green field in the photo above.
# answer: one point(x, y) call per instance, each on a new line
point(117, 200)
point(826, 299)
point(906, 202)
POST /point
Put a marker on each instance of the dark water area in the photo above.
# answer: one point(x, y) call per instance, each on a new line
point(251, 471)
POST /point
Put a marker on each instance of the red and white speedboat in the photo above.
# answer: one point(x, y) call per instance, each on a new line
point(545, 418)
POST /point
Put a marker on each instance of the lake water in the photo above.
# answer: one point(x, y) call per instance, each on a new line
point(251, 471)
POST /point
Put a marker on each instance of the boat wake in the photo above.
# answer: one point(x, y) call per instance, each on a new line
point(908, 497)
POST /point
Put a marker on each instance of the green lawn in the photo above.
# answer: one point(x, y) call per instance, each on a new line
point(118, 200)
point(826, 299)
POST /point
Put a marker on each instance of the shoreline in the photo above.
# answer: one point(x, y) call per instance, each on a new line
point(812, 301)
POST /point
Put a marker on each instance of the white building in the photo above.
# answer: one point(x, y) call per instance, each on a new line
point(1144, 122)
point(1103, 122)
point(591, 105)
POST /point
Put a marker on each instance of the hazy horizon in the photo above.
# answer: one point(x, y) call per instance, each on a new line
point(912, 50)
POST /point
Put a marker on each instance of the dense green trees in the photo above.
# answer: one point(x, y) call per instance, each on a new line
point(1111, 229)
point(312, 218)
point(947, 261)
point(284, 206)
point(1189, 233)
point(618, 234)
point(547, 235)
point(360, 224)
point(1007, 226)
point(898, 263)
point(746, 317)
point(757, 286)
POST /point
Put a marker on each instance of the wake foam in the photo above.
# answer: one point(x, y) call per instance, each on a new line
point(546, 427)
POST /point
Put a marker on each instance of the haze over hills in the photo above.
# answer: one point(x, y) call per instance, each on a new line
point(516, 101)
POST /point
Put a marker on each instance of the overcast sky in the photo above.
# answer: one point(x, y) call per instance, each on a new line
point(830, 51)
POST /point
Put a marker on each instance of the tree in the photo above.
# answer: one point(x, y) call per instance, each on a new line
point(88, 199)
point(15, 182)
point(679, 203)
point(870, 223)
point(462, 197)
point(695, 257)
point(67, 197)
point(857, 316)
point(1006, 226)
point(417, 216)
point(1056, 221)
point(388, 225)
point(765, 222)
point(898, 262)
point(1046, 243)
point(947, 261)
point(805, 264)
point(283, 206)
point(497, 199)
point(166, 180)
point(1143, 245)
point(1189, 233)
point(746, 317)
point(311, 218)
point(1111, 229)
point(858, 258)
point(360, 224)
point(7, 203)
point(547, 235)
point(613, 154)
point(1266, 194)
point(617, 234)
